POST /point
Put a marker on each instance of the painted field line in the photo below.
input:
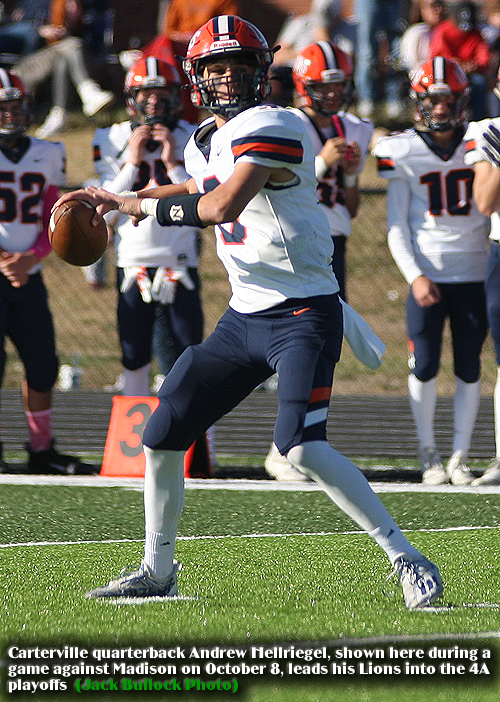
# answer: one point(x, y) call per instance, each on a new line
point(238, 536)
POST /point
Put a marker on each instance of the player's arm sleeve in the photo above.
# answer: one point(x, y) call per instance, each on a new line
point(398, 229)
point(114, 175)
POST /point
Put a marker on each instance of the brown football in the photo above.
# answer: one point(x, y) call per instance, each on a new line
point(73, 237)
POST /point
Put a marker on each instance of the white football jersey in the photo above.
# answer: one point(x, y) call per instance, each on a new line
point(330, 187)
point(148, 244)
point(474, 143)
point(280, 246)
point(435, 228)
point(26, 178)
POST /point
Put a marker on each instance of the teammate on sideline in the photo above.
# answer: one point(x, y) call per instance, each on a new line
point(32, 173)
point(484, 154)
point(323, 79)
point(157, 269)
point(438, 239)
point(252, 169)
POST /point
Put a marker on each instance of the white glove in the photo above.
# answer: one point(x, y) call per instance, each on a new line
point(165, 283)
point(139, 275)
point(491, 149)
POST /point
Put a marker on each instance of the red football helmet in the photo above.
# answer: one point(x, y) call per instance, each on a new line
point(318, 65)
point(149, 73)
point(13, 88)
point(437, 78)
point(225, 36)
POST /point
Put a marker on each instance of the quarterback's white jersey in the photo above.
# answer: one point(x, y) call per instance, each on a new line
point(148, 244)
point(280, 246)
point(26, 178)
point(475, 142)
point(330, 186)
point(434, 226)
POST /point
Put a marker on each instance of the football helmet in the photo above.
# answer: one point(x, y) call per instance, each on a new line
point(320, 65)
point(437, 78)
point(225, 36)
point(13, 88)
point(148, 73)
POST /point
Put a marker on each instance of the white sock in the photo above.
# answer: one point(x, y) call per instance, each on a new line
point(136, 382)
point(466, 407)
point(348, 488)
point(423, 406)
point(496, 406)
point(163, 503)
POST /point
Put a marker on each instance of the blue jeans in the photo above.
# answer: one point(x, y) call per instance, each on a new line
point(374, 17)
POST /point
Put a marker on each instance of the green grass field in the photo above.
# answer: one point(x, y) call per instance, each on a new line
point(261, 566)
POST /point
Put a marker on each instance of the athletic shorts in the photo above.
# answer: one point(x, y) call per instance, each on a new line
point(300, 340)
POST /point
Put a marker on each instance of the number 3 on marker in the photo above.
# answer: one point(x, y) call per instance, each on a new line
point(144, 411)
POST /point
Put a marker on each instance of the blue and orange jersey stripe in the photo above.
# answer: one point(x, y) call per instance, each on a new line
point(385, 164)
point(470, 145)
point(274, 148)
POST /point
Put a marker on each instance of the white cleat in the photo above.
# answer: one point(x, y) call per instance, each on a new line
point(420, 580)
point(491, 475)
point(140, 583)
point(279, 468)
point(433, 472)
point(457, 470)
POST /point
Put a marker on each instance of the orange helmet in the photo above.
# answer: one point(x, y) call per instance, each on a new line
point(149, 73)
point(437, 77)
point(13, 88)
point(320, 64)
point(228, 35)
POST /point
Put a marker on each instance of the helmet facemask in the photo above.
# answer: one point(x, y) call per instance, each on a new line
point(328, 102)
point(457, 110)
point(228, 95)
point(166, 111)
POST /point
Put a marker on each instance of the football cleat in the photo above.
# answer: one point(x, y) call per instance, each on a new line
point(139, 583)
point(458, 471)
point(279, 468)
point(420, 580)
point(433, 472)
point(491, 475)
point(51, 462)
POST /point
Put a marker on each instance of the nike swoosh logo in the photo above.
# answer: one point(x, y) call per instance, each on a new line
point(297, 312)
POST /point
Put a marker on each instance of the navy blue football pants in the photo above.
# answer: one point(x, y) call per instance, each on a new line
point(300, 340)
point(26, 319)
point(169, 329)
point(493, 295)
point(465, 306)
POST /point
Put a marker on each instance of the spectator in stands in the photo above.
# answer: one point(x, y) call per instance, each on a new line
point(20, 35)
point(183, 17)
point(415, 48)
point(459, 38)
point(157, 271)
point(297, 32)
point(373, 18)
point(36, 171)
point(62, 57)
point(331, 24)
point(437, 237)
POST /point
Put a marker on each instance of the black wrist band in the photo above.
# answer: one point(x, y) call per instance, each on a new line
point(179, 209)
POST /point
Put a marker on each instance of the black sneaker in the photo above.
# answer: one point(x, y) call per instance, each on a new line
point(51, 462)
